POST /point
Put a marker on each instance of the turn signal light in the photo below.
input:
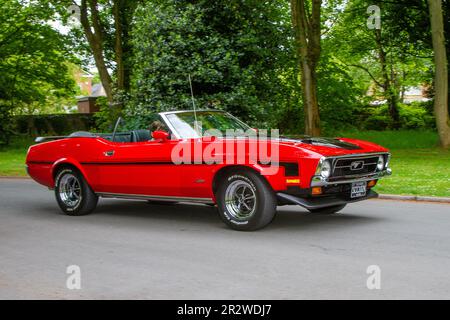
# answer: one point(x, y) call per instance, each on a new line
point(371, 183)
point(316, 190)
point(293, 181)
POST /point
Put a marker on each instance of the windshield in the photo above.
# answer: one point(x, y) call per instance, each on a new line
point(184, 123)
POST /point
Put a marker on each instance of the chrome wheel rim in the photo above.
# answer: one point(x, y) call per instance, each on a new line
point(70, 190)
point(240, 200)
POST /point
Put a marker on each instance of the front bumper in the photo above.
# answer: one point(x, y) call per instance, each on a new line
point(319, 181)
point(323, 202)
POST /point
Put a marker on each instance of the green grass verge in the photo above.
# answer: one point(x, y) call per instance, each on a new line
point(424, 172)
point(395, 140)
point(12, 157)
point(419, 166)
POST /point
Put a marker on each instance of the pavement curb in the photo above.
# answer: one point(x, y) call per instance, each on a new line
point(15, 177)
point(414, 198)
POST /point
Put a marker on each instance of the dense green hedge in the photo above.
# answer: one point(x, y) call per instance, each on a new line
point(417, 115)
point(412, 116)
point(52, 124)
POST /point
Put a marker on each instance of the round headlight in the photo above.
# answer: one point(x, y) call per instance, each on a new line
point(380, 163)
point(326, 169)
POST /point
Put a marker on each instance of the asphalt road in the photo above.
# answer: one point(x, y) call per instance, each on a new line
point(129, 249)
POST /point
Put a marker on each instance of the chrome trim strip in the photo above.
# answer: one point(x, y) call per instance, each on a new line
point(357, 155)
point(163, 115)
point(154, 197)
point(350, 176)
point(169, 124)
point(365, 164)
point(318, 181)
point(192, 110)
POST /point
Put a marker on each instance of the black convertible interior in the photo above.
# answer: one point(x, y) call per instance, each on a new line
point(141, 135)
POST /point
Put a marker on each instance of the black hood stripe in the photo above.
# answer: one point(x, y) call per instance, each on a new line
point(324, 142)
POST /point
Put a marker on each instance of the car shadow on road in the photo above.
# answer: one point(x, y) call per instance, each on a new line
point(291, 218)
point(141, 209)
point(301, 219)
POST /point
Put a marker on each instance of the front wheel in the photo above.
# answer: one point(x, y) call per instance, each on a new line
point(73, 194)
point(246, 201)
point(328, 210)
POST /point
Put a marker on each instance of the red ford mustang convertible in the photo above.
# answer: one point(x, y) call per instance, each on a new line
point(208, 157)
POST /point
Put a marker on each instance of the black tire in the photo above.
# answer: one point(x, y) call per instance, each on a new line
point(263, 207)
point(328, 210)
point(84, 200)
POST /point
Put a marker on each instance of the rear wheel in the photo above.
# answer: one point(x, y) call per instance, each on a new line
point(328, 210)
point(245, 201)
point(74, 196)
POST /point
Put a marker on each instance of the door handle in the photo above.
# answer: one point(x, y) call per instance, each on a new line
point(109, 153)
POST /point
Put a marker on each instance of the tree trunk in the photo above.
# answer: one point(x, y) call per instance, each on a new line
point(403, 87)
point(118, 47)
point(95, 40)
point(103, 73)
point(307, 37)
point(310, 101)
point(441, 73)
point(388, 86)
point(123, 13)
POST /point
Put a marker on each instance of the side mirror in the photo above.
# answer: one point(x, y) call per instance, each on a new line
point(160, 135)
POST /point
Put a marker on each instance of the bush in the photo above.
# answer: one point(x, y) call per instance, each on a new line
point(416, 115)
point(52, 124)
point(5, 125)
point(376, 118)
point(104, 118)
point(339, 96)
point(234, 65)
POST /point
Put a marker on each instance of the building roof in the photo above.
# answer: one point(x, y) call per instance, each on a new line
point(98, 91)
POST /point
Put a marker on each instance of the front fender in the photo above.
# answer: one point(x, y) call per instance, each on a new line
point(274, 175)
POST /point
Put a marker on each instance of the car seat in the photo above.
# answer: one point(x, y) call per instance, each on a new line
point(140, 135)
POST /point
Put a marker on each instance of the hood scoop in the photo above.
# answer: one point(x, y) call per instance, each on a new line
point(326, 142)
point(331, 143)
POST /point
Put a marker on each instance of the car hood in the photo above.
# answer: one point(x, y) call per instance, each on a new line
point(332, 146)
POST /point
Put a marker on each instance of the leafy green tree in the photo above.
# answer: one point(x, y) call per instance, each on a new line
point(425, 26)
point(341, 98)
point(104, 34)
point(237, 53)
point(33, 59)
point(377, 57)
point(307, 24)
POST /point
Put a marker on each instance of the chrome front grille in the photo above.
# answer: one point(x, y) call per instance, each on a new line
point(354, 166)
